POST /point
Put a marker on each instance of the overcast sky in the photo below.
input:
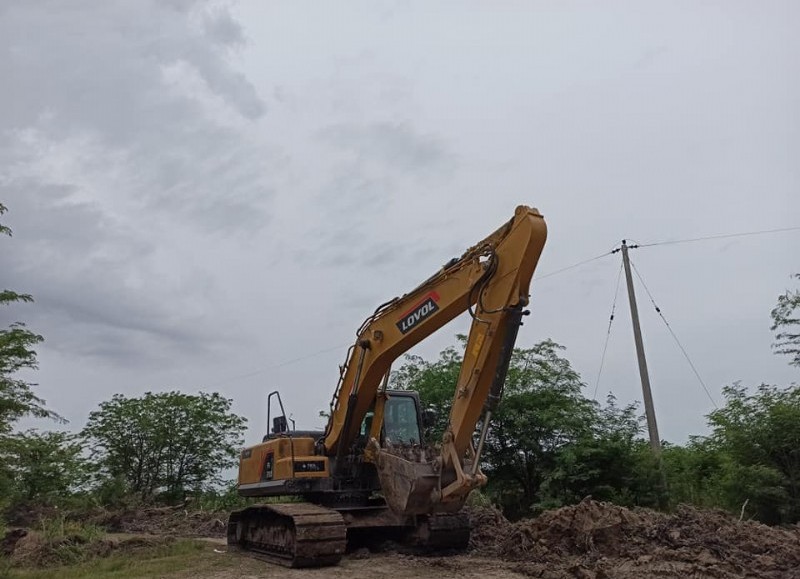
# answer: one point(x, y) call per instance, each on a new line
point(202, 192)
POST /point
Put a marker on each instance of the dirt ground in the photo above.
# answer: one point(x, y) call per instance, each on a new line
point(162, 521)
point(590, 540)
point(375, 566)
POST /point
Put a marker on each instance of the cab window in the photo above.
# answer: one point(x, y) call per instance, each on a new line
point(366, 424)
point(400, 420)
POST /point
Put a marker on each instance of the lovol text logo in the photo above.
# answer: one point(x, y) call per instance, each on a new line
point(412, 318)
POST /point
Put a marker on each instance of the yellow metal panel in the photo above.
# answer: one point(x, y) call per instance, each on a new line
point(252, 459)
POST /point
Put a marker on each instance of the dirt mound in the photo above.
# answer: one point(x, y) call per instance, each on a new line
point(594, 540)
point(9, 542)
point(164, 521)
point(488, 525)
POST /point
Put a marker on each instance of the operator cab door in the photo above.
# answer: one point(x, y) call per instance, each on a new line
point(401, 420)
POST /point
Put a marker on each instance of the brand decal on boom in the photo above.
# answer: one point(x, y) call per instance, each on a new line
point(413, 317)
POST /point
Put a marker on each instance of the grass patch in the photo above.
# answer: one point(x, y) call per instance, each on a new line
point(55, 542)
point(154, 561)
point(59, 528)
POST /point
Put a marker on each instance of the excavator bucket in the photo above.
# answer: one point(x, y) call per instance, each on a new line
point(409, 487)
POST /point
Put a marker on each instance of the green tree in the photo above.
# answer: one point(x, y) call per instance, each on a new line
point(760, 432)
point(698, 473)
point(44, 466)
point(164, 443)
point(610, 461)
point(17, 398)
point(786, 325)
point(542, 412)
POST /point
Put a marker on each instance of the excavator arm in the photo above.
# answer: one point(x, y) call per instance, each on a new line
point(490, 280)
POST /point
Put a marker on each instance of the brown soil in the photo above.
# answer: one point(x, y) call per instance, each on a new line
point(593, 540)
point(590, 540)
point(164, 521)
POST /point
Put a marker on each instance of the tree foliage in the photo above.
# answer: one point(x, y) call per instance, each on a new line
point(4, 230)
point(17, 398)
point(786, 325)
point(542, 413)
point(759, 435)
point(164, 442)
point(547, 445)
point(609, 461)
point(44, 466)
point(697, 473)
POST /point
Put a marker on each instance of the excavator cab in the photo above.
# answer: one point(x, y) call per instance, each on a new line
point(403, 420)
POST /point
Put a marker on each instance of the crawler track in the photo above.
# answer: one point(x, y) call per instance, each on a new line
point(293, 534)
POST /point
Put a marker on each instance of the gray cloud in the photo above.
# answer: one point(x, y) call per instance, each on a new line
point(125, 123)
point(95, 281)
point(395, 144)
point(372, 165)
point(96, 65)
point(202, 190)
point(159, 103)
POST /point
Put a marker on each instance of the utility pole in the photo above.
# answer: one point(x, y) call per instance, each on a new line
point(649, 408)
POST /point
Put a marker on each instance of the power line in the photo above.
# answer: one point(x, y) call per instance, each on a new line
point(279, 365)
point(573, 266)
point(551, 274)
point(674, 337)
point(608, 332)
point(722, 236)
point(326, 350)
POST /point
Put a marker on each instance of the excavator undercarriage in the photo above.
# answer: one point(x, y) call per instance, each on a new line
point(308, 535)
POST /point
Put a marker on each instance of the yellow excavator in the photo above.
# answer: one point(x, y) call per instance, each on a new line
point(371, 473)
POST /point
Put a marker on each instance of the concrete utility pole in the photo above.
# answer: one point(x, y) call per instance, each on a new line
point(649, 409)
